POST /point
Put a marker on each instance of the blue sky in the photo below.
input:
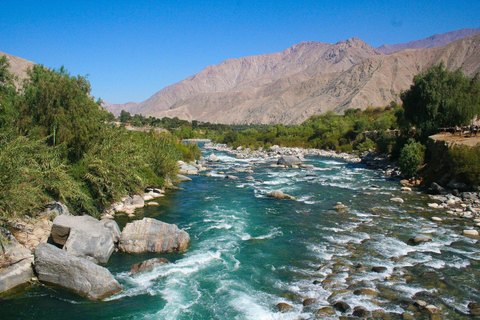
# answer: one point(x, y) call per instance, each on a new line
point(132, 49)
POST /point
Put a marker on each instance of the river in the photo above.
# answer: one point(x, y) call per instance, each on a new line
point(249, 253)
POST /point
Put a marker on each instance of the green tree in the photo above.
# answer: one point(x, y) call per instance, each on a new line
point(441, 98)
point(411, 157)
point(59, 106)
point(8, 94)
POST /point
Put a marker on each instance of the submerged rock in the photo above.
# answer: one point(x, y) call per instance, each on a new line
point(419, 239)
point(325, 312)
point(289, 161)
point(150, 235)
point(85, 278)
point(284, 307)
point(340, 206)
point(474, 308)
point(398, 200)
point(147, 265)
point(280, 195)
point(183, 178)
point(379, 269)
point(342, 306)
point(359, 311)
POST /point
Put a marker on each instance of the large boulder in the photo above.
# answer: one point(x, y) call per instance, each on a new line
point(86, 237)
point(289, 161)
point(280, 195)
point(85, 278)
point(150, 235)
point(15, 262)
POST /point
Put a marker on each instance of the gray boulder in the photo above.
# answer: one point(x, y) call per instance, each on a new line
point(289, 161)
point(83, 277)
point(85, 236)
point(150, 235)
point(113, 227)
point(15, 262)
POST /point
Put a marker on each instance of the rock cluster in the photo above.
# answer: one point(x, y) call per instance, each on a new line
point(129, 204)
point(276, 151)
point(193, 167)
point(83, 242)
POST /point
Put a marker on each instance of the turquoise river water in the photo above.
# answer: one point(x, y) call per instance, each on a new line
point(249, 253)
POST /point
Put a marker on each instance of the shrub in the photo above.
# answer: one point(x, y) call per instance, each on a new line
point(466, 163)
point(411, 158)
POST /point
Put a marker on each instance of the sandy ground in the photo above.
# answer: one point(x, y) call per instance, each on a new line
point(457, 139)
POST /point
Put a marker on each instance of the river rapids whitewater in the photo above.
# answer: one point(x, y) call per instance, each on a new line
point(249, 253)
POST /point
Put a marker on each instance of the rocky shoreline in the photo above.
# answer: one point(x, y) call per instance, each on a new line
point(70, 252)
point(75, 243)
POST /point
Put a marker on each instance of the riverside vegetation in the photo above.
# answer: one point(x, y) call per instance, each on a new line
point(56, 145)
point(437, 98)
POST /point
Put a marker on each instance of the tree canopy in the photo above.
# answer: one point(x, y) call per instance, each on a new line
point(441, 98)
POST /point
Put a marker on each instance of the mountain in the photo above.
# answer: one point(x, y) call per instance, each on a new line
point(18, 66)
point(309, 78)
point(237, 90)
point(117, 108)
point(437, 40)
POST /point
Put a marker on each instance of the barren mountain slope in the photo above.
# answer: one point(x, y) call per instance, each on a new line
point(379, 80)
point(239, 79)
point(117, 108)
point(18, 66)
point(436, 40)
point(373, 82)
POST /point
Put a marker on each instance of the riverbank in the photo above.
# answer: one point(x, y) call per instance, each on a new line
point(254, 257)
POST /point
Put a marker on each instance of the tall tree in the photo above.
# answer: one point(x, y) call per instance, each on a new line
point(59, 106)
point(441, 98)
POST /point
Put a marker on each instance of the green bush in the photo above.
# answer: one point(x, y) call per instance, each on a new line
point(411, 158)
point(466, 163)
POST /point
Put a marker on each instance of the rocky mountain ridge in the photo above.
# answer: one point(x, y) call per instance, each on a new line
point(306, 79)
point(436, 40)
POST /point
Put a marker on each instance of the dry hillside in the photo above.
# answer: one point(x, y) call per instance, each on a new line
point(306, 79)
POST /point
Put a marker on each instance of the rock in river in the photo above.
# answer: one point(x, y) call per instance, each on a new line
point(58, 267)
point(419, 239)
point(280, 195)
point(147, 265)
point(289, 161)
point(85, 236)
point(150, 235)
point(15, 261)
